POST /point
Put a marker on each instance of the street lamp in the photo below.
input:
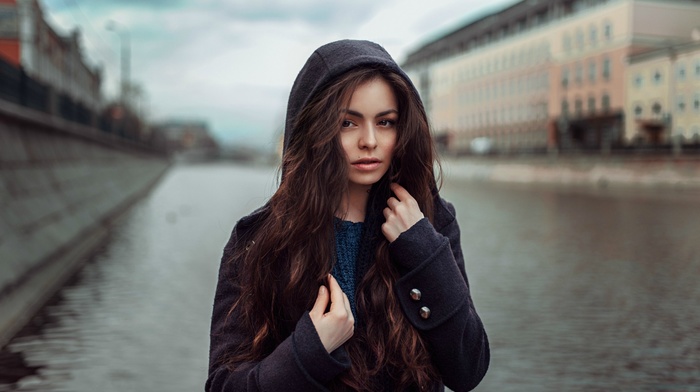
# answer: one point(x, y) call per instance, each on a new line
point(125, 38)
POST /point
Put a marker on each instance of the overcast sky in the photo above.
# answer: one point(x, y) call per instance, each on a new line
point(231, 63)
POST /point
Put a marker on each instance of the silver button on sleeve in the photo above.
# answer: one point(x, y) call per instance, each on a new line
point(415, 294)
point(425, 312)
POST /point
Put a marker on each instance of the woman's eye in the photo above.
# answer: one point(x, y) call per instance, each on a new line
point(387, 123)
point(347, 123)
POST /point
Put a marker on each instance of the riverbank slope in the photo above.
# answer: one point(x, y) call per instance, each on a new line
point(61, 184)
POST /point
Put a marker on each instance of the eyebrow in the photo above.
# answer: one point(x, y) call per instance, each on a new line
point(360, 115)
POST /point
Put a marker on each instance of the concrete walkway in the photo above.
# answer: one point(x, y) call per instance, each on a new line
point(612, 171)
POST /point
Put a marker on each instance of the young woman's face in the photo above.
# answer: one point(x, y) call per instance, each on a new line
point(368, 132)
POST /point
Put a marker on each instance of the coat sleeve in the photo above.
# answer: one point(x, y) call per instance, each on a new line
point(299, 363)
point(431, 262)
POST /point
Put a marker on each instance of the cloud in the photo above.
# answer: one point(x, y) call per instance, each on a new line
point(319, 13)
point(232, 62)
point(141, 3)
point(60, 5)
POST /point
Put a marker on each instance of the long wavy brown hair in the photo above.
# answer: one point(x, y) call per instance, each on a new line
point(293, 246)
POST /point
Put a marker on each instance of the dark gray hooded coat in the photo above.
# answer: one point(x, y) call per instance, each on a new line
point(428, 256)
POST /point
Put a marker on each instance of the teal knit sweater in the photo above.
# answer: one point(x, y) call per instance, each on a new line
point(347, 243)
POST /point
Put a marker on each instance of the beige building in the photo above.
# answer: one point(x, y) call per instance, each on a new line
point(663, 95)
point(539, 74)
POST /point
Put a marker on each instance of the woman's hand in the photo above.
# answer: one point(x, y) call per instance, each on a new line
point(337, 326)
point(402, 213)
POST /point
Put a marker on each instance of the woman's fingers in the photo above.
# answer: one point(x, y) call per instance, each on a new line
point(392, 202)
point(336, 292)
point(341, 310)
point(401, 213)
point(400, 192)
point(336, 326)
point(348, 308)
point(321, 302)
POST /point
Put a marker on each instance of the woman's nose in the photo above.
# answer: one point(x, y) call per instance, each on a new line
point(368, 138)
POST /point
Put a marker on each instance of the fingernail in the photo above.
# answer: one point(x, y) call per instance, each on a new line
point(322, 290)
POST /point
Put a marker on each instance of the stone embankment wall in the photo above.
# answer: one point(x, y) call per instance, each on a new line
point(60, 186)
point(629, 171)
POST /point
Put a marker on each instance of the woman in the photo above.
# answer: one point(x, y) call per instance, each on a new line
point(351, 277)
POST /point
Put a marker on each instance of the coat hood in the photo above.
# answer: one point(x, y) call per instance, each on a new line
point(328, 62)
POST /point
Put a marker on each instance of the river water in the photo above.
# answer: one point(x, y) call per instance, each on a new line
point(579, 289)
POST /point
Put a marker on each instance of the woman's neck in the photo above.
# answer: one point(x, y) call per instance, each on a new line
point(354, 203)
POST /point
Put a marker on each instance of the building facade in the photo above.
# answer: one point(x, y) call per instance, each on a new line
point(28, 41)
point(663, 95)
point(178, 136)
point(543, 74)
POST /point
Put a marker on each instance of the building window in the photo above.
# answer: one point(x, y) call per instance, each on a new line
point(578, 107)
point(656, 108)
point(638, 110)
point(579, 73)
point(565, 108)
point(501, 33)
point(681, 71)
point(657, 77)
point(605, 103)
point(606, 68)
point(680, 103)
point(541, 18)
point(591, 105)
point(696, 102)
point(565, 77)
point(638, 80)
point(607, 31)
point(580, 38)
point(697, 69)
point(592, 71)
point(594, 35)
point(567, 42)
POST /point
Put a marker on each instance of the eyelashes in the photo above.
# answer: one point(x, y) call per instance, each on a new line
point(385, 123)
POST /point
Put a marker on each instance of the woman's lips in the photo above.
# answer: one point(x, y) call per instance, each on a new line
point(366, 164)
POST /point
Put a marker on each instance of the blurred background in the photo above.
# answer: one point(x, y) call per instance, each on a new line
point(134, 134)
